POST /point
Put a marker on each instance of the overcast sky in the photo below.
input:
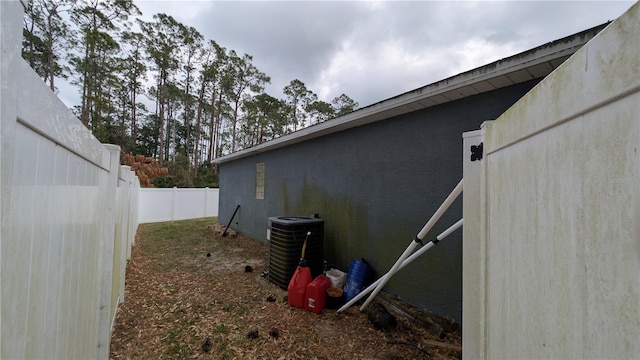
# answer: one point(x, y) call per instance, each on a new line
point(372, 51)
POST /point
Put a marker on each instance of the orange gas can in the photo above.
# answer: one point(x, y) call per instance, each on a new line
point(316, 294)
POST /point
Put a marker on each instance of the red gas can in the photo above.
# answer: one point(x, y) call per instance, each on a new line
point(316, 294)
point(298, 286)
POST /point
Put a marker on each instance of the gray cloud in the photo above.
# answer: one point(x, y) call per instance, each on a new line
point(375, 50)
point(288, 40)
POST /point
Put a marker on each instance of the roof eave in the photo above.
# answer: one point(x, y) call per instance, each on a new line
point(453, 88)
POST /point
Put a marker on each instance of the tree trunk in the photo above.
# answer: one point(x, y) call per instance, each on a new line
point(196, 156)
point(133, 101)
point(235, 123)
point(160, 114)
point(50, 63)
point(187, 114)
point(84, 116)
point(212, 127)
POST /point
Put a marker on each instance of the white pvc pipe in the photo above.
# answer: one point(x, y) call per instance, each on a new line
point(445, 205)
point(406, 262)
point(438, 214)
point(451, 229)
point(431, 244)
point(390, 273)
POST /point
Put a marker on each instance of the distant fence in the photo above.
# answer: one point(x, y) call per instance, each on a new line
point(176, 204)
point(68, 218)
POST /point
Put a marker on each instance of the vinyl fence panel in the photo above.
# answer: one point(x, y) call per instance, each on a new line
point(59, 207)
point(553, 252)
point(156, 205)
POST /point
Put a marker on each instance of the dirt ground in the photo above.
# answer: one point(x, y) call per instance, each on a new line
point(188, 295)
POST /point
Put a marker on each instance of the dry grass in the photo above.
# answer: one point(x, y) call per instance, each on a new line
point(181, 304)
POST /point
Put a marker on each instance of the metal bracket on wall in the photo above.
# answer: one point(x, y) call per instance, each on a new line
point(476, 152)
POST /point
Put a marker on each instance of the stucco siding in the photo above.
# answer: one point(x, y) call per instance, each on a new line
point(375, 186)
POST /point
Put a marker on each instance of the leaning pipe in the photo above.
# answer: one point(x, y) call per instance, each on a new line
point(418, 240)
point(406, 262)
point(230, 220)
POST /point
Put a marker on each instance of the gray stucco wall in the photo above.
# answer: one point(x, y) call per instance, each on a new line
point(375, 186)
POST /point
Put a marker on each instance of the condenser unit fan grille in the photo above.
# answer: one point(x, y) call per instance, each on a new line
point(286, 237)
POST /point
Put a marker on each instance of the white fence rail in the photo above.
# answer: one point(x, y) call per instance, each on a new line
point(68, 218)
point(177, 204)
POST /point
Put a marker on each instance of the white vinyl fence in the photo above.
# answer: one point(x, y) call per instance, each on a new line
point(176, 204)
point(68, 218)
point(551, 251)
